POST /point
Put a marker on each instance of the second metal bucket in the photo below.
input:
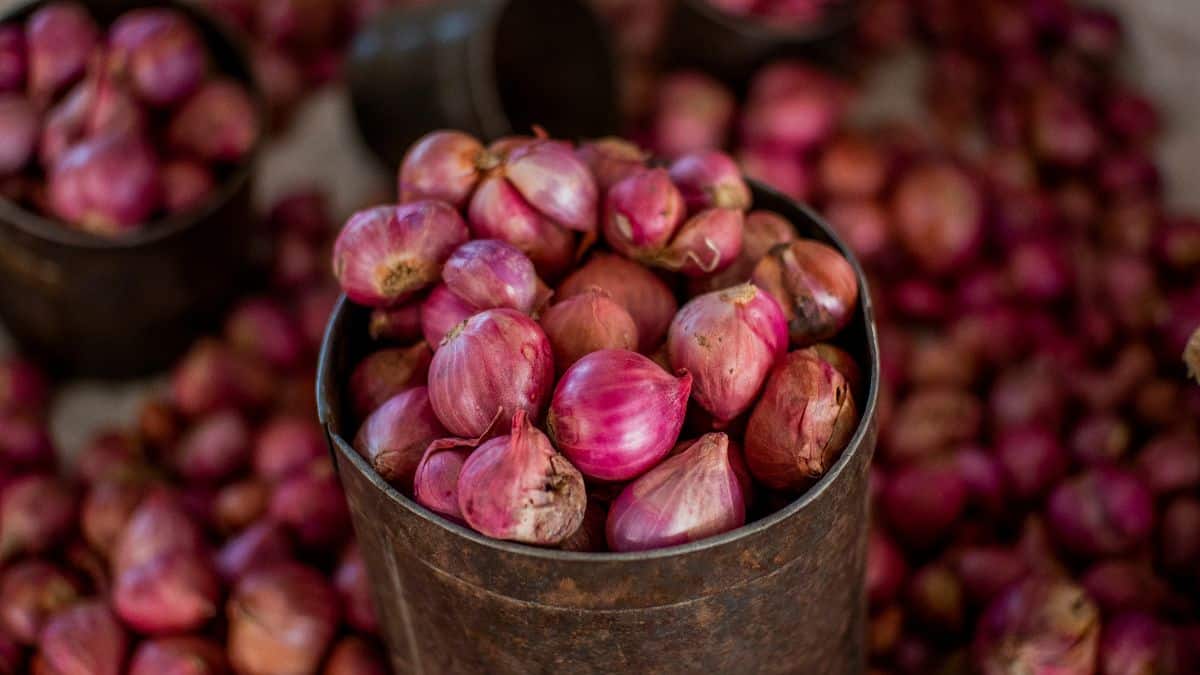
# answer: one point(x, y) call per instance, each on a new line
point(783, 594)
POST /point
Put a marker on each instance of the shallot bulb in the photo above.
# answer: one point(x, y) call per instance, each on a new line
point(616, 413)
point(441, 311)
point(555, 182)
point(518, 487)
point(612, 160)
point(435, 485)
point(1039, 626)
point(498, 211)
point(488, 274)
point(160, 52)
point(646, 297)
point(585, 323)
point(938, 214)
point(107, 185)
point(494, 364)
point(175, 592)
point(710, 179)
point(36, 514)
point(84, 639)
point(106, 509)
point(186, 185)
point(31, 592)
point(394, 437)
point(19, 124)
point(801, 424)
point(394, 324)
point(706, 243)
point(761, 231)
point(218, 123)
point(385, 373)
point(642, 213)
point(815, 286)
point(691, 496)
point(352, 585)
point(13, 61)
point(259, 545)
point(444, 165)
point(282, 619)
point(59, 39)
point(729, 341)
point(385, 255)
point(1103, 512)
point(285, 445)
point(178, 656)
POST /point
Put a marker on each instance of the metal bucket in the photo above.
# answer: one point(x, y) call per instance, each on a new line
point(784, 594)
point(90, 305)
point(487, 67)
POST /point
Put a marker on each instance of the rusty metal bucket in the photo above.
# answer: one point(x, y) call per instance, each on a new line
point(784, 594)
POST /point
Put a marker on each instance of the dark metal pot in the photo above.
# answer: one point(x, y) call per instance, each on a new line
point(734, 47)
point(116, 307)
point(487, 67)
point(784, 594)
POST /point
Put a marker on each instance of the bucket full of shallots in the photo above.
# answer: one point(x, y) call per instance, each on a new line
point(593, 414)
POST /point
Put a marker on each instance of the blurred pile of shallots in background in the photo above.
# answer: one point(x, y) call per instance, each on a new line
point(1037, 486)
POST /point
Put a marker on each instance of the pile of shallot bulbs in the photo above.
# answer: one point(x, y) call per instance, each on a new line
point(210, 536)
point(580, 349)
point(1036, 491)
point(108, 132)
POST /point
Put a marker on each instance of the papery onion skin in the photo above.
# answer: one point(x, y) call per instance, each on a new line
point(555, 182)
point(36, 513)
point(498, 211)
point(394, 437)
point(519, 488)
point(815, 286)
point(489, 273)
point(443, 165)
point(1102, 512)
point(706, 243)
point(710, 179)
point(691, 496)
point(729, 341)
point(496, 363)
point(585, 323)
point(435, 485)
point(938, 216)
point(801, 424)
point(285, 444)
point(441, 311)
point(385, 373)
point(386, 254)
point(616, 413)
point(642, 214)
point(645, 296)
